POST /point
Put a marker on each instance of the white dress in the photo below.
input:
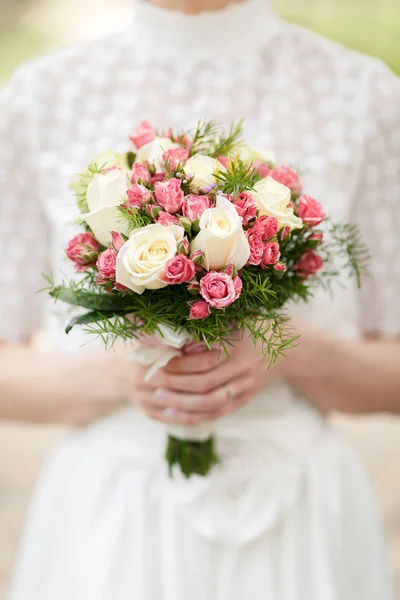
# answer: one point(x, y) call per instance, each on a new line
point(289, 514)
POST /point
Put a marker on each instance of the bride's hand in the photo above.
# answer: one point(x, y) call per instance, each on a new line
point(206, 385)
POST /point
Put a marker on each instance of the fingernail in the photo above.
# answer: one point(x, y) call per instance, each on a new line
point(160, 394)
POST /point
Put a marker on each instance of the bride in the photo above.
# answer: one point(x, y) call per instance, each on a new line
point(288, 514)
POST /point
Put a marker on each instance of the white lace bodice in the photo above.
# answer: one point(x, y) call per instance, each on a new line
point(330, 111)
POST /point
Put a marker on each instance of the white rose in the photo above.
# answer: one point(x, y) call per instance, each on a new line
point(153, 151)
point(141, 260)
point(249, 154)
point(203, 168)
point(105, 193)
point(273, 199)
point(221, 237)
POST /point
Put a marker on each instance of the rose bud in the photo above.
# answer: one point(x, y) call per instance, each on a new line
point(154, 210)
point(316, 237)
point(143, 135)
point(310, 211)
point(271, 254)
point(184, 246)
point(83, 250)
point(106, 265)
point(179, 269)
point(194, 206)
point(194, 287)
point(169, 195)
point(267, 226)
point(220, 290)
point(309, 264)
point(280, 267)
point(288, 177)
point(262, 168)
point(200, 310)
point(246, 206)
point(197, 257)
point(117, 241)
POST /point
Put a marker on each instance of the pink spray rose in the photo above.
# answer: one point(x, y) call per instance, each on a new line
point(166, 219)
point(143, 135)
point(267, 226)
point(288, 177)
point(220, 290)
point(271, 254)
point(140, 173)
point(106, 265)
point(200, 310)
point(117, 241)
point(83, 250)
point(194, 206)
point(169, 195)
point(179, 269)
point(138, 195)
point(256, 246)
point(175, 157)
point(309, 264)
point(246, 206)
point(310, 211)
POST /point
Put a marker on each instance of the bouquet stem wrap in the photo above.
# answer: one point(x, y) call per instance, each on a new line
point(190, 447)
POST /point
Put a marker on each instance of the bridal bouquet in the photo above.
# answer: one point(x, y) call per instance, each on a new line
point(189, 238)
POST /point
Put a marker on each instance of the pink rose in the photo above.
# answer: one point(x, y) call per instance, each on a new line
point(140, 174)
point(83, 250)
point(309, 264)
point(288, 177)
point(246, 206)
point(166, 219)
point(220, 290)
point(138, 195)
point(179, 269)
point(143, 135)
point(256, 246)
point(223, 160)
point(194, 206)
point(267, 226)
point(169, 195)
point(106, 265)
point(200, 310)
point(271, 254)
point(117, 241)
point(175, 157)
point(310, 211)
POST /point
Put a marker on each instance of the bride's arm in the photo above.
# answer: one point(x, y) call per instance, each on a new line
point(70, 390)
point(341, 375)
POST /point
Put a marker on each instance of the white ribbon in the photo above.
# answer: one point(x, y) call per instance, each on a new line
point(170, 344)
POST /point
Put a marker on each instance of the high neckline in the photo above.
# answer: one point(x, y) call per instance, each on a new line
point(235, 31)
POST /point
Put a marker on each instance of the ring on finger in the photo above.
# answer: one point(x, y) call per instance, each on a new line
point(230, 393)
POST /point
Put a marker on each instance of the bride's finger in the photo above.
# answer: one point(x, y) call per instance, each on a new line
point(211, 402)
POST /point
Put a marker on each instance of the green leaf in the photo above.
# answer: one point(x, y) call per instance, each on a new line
point(88, 318)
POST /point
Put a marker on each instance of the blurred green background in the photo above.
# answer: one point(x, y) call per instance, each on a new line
point(28, 27)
